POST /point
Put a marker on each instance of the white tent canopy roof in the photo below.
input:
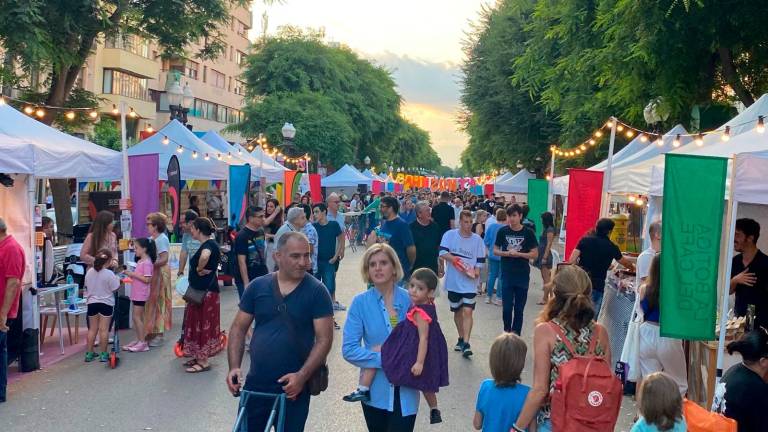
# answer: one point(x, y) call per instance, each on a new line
point(372, 175)
point(504, 177)
point(273, 173)
point(191, 168)
point(346, 176)
point(30, 147)
point(518, 183)
point(750, 185)
point(647, 177)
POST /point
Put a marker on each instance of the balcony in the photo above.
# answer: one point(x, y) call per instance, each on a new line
point(122, 60)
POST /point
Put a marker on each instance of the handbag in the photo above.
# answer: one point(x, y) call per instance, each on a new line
point(318, 381)
point(630, 353)
point(194, 296)
point(699, 419)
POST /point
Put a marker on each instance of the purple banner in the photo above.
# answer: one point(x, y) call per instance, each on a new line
point(145, 190)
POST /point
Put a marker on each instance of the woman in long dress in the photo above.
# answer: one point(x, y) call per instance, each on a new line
point(158, 309)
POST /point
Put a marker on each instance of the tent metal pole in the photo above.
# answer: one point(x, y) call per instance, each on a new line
point(605, 205)
point(125, 191)
point(726, 279)
point(550, 194)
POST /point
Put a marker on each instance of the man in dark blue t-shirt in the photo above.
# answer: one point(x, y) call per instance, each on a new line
point(281, 340)
point(330, 249)
point(395, 232)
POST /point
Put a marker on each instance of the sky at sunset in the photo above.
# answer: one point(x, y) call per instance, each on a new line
point(420, 41)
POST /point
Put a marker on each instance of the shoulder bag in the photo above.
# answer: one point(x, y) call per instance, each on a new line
point(318, 381)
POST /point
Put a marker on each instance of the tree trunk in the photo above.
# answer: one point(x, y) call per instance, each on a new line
point(732, 77)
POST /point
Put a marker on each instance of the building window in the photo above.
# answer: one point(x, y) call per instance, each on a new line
point(131, 43)
point(240, 58)
point(218, 79)
point(125, 84)
point(231, 53)
point(241, 28)
point(205, 73)
point(239, 87)
point(221, 114)
point(191, 69)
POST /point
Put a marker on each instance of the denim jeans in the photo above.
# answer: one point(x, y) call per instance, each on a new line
point(494, 276)
point(515, 292)
point(597, 299)
point(326, 273)
point(3, 364)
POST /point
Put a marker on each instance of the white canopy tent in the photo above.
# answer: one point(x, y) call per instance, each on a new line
point(502, 178)
point(641, 179)
point(192, 168)
point(631, 155)
point(372, 175)
point(273, 173)
point(517, 184)
point(346, 176)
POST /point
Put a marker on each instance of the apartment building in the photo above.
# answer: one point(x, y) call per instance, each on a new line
point(129, 68)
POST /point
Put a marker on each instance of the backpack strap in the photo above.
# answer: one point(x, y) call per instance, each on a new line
point(559, 332)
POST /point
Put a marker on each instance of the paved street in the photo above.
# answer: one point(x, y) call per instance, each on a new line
point(150, 391)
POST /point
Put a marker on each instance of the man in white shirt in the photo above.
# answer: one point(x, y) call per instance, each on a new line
point(464, 254)
point(643, 266)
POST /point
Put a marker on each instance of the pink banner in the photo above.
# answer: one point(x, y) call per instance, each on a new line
point(145, 190)
point(585, 191)
point(377, 187)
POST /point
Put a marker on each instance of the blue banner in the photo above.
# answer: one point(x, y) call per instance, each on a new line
point(239, 185)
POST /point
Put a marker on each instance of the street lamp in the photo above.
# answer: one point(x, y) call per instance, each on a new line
point(367, 161)
point(180, 101)
point(519, 164)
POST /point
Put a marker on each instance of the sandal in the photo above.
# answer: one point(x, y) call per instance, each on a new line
point(196, 368)
point(190, 363)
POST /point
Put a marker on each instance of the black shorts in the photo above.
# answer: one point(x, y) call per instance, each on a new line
point(100, 309)
point(461, 300)
point(138, 302)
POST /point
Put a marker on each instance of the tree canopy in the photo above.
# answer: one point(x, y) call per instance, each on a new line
point(343, 107)
point(543, 72)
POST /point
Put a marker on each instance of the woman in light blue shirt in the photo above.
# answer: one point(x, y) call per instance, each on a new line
point(370, 319)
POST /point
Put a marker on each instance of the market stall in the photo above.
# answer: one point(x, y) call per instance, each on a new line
point(346, 180)
point(515, 186)
point(260, 165)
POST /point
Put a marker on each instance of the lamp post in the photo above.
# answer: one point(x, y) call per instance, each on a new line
point(287, 147)
point(262, 143)
point(180, 101)
point(367, 162)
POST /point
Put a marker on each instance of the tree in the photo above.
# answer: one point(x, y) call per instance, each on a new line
point(107, 134)
point(56, 37)
point(343, 107)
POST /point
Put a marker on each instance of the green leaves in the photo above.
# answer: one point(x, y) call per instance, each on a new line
point(343, 107)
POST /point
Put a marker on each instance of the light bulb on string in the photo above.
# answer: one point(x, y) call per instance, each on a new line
point(179, 149)
point(598, 134)
point(583, 147)
point(206, 157)
point(609, 124)
point(592, 141)
point(29, 110)
point(578, 151)
point(726, 134)
point(2, 101)
point(676, 143)
point(115, 111)
point(166, 141)
point(659, 141)
point(150, 129)
point(643, 138)
point(620, 128)
point(194, 154)
point(632, 198)
point(40, 113)
point(630, 134)
point(548, 177)
point(132, 114)
point(640, 202)
point(699, 140)
point(93, 114)
point(218, 156)
point(239, 152)
point(70, 115)
point(760, 124)
point(229, 155)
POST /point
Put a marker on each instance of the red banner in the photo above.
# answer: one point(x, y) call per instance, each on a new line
point(377, 187)
point(585, 191)
point(488, 189)
point(314, 188)
point(291, 185)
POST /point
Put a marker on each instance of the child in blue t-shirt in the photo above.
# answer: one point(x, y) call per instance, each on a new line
point(661, 406)
point(501, 399)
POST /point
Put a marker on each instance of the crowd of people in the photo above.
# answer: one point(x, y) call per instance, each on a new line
point(285, 265)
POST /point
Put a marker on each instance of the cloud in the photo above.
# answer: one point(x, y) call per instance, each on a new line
point(431, 92)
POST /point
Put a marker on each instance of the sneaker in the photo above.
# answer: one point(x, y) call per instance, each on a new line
point(339, 307)
point(358, 396)
point(156, 342)
point(128, 347)
point(488, 300)
point(459, 345)
point(139, 347)
point(466, 352)
point(103, 357)
point(90, 356)
point(434, 416)
point(497, 302)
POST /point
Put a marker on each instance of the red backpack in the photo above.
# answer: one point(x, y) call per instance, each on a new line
point(587, 395)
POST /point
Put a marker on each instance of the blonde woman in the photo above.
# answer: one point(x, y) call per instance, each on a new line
point(371, 317)
point(158, 308)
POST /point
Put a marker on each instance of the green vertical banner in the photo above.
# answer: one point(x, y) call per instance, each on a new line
point(692, 224)
point(538, 191)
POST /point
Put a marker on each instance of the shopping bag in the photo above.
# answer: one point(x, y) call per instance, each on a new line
point(631, 349)
point(182, 283)
point(699, 419)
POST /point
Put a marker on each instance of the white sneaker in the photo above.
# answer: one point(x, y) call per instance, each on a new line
point(488, 300)
point(156, 342)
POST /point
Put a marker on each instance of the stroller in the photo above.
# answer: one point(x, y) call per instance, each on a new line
point(276, 416)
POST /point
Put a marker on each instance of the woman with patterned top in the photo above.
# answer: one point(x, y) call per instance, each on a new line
point(572, 310)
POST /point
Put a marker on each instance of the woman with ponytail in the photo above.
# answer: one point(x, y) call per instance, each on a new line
point(746, 384)
point(571, 309)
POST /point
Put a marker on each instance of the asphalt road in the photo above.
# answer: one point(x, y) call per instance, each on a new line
point(150, 391)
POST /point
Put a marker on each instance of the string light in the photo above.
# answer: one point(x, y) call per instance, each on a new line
point(93, 114)
point(180, 149)
point(699, 140)
point(592, 141)
point(632, 198)
point(620, 128)
point(218, 156)
point(659, 141)
point(640, 202)
point(676, 142)
point(229, 155)
point(132, 114)
point(206, 157)
point(115, 111)
point(726, 134)
point(70, 115)
point(760, 124)
point(194, 154)
point(29, 110)
point(583, 147)
point(643, 138)
point(239, 152)
point(40, 113)
point(630, 134)
point(609, 124)
point(166, 140)
point(2, 101)
point(598, 134)
point(150, 129)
